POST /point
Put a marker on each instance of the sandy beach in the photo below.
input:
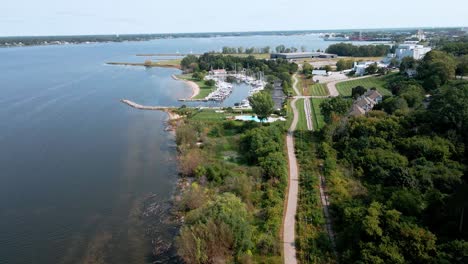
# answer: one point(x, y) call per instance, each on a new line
point(195, 88)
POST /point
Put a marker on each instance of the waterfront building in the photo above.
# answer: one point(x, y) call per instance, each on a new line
point(411, 50)
point(218, 73)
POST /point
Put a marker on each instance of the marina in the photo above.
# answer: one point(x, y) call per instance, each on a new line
point(224, 89)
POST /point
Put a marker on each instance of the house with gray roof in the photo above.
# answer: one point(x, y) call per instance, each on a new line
point(365, 103)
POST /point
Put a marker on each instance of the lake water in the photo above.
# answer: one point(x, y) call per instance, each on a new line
point(75, 163)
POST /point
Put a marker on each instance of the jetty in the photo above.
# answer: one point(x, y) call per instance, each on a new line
point(166, 108)
point(145, 107)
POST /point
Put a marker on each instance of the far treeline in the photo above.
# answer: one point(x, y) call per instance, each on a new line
point(274, 70)
point(262, 50)
point(398, 176)
point(350, 50)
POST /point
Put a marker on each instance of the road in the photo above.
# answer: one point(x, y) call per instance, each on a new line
point(293, 189)
point(295, 85)
point(308, 114)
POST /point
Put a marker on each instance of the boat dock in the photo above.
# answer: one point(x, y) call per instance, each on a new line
point(193, 100)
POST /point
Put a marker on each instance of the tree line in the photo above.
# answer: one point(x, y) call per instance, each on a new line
point(259, 50)
point(350, 50)
point(242, 50)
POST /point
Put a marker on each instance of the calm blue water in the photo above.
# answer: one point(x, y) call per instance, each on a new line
point(75, 163)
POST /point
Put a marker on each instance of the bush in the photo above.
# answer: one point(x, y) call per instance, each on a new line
point(210, 83)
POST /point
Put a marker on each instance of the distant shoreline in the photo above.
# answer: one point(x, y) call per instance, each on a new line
point(25, 41)
point(142, 64)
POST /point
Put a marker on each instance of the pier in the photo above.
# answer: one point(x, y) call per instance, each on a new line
point(193, 100)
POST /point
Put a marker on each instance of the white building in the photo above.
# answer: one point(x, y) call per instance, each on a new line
point(410, 50)
point(320, 72)
point(218, 73)
point(361, 66)
point(420, 36)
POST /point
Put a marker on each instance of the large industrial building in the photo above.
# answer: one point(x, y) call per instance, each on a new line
point(302, 55)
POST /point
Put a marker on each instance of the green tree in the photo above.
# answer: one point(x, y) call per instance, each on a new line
point(372, 69)
point(449, 109)
point(262, 104)
point(210, 83)
point(337, 106)
point(266, 49)
point(189, 63)
point(327, 68)
point(307, 68)
point(453, 252)
point(413, 94)
point(274, 165)
point(462, 67)
point(358, 91)
point(199, 76)
point(280, 48)
point(343, 64)
point(408, 63)
point(436, 69)
point(394, 104)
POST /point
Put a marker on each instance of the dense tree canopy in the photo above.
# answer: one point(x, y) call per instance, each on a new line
point(436, 69)
point(347, 49)
point(338, 106)
point(398, 180)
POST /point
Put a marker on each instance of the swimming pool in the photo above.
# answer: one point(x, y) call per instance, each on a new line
point(255, 119)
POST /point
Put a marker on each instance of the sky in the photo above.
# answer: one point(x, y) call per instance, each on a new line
point(88, 17)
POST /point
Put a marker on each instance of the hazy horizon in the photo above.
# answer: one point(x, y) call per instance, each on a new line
point(87, 17)
point(251, 31)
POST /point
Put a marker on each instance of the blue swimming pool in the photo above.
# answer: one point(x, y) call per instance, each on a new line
point(248, 118)
point(255, 119)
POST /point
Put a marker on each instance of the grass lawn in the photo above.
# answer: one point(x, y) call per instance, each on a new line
point(316, 115)
point(208, 115)
point(318, 89)
point(309, 87)
point(211, 115)
point(204, 89)
point(345, 88)
point(300, 83)
point(302, 121)
point(168, 63)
